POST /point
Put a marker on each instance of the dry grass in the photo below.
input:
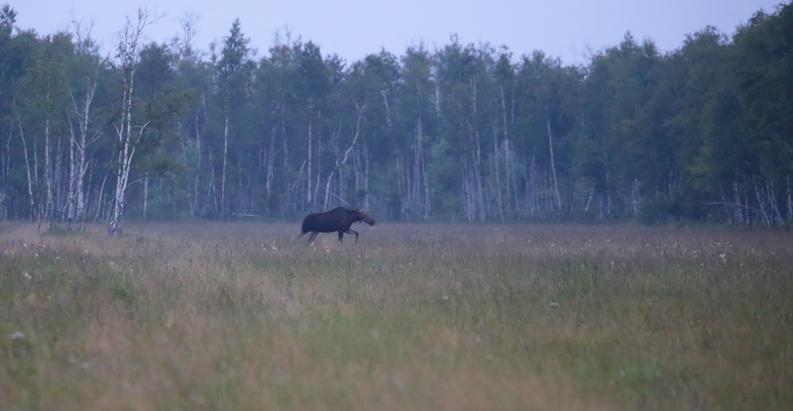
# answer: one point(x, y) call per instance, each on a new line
point(235, 316)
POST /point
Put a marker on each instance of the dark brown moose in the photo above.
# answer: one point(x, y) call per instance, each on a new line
point(339, 220)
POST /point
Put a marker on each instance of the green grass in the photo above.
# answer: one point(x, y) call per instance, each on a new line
point(235, 316)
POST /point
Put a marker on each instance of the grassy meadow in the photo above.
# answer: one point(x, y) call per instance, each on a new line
point(210, 316)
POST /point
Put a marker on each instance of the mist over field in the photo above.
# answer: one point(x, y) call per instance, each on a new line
point(518, 232)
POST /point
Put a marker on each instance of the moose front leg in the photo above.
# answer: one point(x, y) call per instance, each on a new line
point(351, 231)
point(341, 237)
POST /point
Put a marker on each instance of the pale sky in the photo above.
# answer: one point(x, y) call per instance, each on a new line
point(567, 29)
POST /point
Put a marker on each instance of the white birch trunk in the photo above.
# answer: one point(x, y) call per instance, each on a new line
point(558, 197)
point(49, 194)
point(145, 197)
point(31, 198)
point(128, 54)
point(223, 170)
point(196, 178)
point(340, 163)
point(427, 204)
point(497, 172)
point(366, 176)
point(310, 151)
point(761, 204)
point(789, 198)
point(268, 179)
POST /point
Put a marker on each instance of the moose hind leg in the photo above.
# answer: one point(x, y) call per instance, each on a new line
point(341, 236)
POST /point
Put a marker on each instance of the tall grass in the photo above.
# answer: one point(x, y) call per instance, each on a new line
point(236, 316)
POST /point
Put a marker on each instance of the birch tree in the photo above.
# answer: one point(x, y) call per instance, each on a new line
point(128, 133)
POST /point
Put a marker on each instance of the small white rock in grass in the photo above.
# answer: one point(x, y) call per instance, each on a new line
point(27, 275)
point(17, 335)
point(553, 304)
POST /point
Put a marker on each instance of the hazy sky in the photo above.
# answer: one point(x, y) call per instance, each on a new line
point(353, 28)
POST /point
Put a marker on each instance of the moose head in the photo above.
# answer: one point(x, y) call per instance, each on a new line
point(365, 217)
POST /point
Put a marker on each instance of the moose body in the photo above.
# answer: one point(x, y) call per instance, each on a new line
point(338, 220)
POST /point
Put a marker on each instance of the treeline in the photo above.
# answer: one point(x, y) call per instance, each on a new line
point(464, 133)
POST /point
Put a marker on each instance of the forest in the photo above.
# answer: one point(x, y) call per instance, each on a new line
point(460, 133)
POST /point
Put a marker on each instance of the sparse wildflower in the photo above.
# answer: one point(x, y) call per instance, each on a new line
point(27, 275)
point(553, 304)
point(17, 335)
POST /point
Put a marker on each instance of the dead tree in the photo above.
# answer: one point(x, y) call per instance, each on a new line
point(360, 112)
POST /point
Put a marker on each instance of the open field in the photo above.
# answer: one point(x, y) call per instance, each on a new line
point(234, 316)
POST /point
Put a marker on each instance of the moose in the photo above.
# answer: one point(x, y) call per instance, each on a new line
point(339, 220)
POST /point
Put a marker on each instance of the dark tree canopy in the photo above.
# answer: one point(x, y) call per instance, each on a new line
point(461, 133)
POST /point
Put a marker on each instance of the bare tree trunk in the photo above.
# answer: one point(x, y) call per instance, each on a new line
point(80, 163)
point(128, 54)
point(558, 197)
point(480, 198)
point(49, 200)
point(635, 200)
point(366, 176)
point(534, 206)
point(437, 101)
point(32, 200)
point(772, 201)
point(359, 117)
point(761, 204)
point(509, 180)
point(211, 188)
point(4, 158)
point(60, 202)
point(268, 180)
point(39, 213)
point(88, 184)
point(99, 207)
point(7, 163)
point(738, 213)
point(497, 173)
point(417, 159)
point(71, 197)
point(384, 93)
point(466, 192)
point(357, 174)
point(315, 196)
point(427, 204)
point(310, 150)
point(223, 169)
point(789, 198)
point(145, 197)
point(197, 177)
